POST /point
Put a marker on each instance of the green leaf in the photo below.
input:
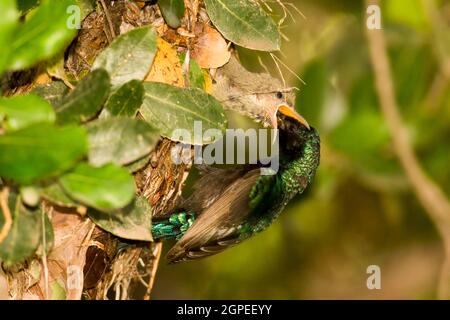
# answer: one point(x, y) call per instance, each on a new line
point(58, 290)
point(120, 140)
point(24, 110)
point(54, 193)
point(47, 235)
point(245, 23)
point(103, 188)
point(196, 75)
point(138, 164)
point(172, 11)
point(56, 70)
point(52, 92)
point(398, 11)
point(125, 101)
point(43, 35)
point(40, 151)
point(311, 101)
point(359, 134)
point(26, 5)
point(362, 137)
point(129, 56)
point(86, 100)
point(86, 6)
point(8, 23)
point(25, 233)
point(413, 71)
point(170, 108)
point(133, 222)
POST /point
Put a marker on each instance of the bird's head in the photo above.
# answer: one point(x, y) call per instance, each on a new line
point(256, 95)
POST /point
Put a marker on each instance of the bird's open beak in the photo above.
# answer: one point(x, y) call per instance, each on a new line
point(288, 112)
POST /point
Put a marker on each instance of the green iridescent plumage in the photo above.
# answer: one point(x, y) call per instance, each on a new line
point(174, 227)
point(272, 193)
point(231, 205)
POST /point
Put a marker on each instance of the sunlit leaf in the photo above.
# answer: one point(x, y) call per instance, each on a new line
point(120, 140)
point(398, 11)
point(104, 188)
point(132, 222)
point(41, 36)
point(24, 110)
point(129, 56)
point(170, 108)
point(40, 151)
point(8, 23)
point(245, 23)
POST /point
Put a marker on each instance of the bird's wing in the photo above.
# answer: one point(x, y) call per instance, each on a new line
point(212, 183)
point(215, 228)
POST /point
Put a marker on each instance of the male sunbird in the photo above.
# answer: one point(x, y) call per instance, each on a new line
point(230, 205)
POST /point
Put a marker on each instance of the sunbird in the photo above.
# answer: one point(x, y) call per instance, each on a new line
point(232, 204)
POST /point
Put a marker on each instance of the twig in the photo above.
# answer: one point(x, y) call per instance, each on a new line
point(108, 18)
point(436, 92)
point(157, 254)
point(429, 194)
point(438, 26)
point(442, 77)
point(6, 214)
point(278, 60)
point(44, 256)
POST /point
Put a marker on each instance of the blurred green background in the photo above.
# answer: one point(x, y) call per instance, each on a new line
point(360, 210)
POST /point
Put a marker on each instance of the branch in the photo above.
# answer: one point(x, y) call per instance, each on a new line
point(429, 194)
point(442, 78)
point(6, 214)
point(157, 255)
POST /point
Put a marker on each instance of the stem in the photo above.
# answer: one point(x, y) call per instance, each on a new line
point(108, 18)
point(429, 194)
point(6, 213)
point(157, 254)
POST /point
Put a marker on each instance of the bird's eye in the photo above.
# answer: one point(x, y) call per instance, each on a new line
point(279, 95)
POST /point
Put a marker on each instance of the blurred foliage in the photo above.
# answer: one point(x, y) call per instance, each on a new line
point(53, 143)
point(360, 209)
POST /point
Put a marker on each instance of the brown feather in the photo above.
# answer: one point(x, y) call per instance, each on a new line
point(214, 229)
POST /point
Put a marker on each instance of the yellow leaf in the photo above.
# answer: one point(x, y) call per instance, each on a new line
point(166, 67)
point(208, 82)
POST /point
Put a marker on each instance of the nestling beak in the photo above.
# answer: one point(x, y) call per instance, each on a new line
point(287, 111)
